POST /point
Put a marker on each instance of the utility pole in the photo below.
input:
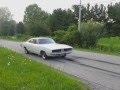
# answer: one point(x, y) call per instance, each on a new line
point(79, 20)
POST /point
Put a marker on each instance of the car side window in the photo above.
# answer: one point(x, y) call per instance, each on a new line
point(30, 41)
point(34, 41)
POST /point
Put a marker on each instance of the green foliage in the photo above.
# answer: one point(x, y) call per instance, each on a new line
point(61, 19)
point(5, 14)
point(111, 44)
point(72, 38)
point(97, 12)
point(87, 37)
point(114, 12)
point(39, 30)
point(20, 29)
point(90, 33)
point(72, 27)
point(113, 26)
point(17, 37)
point(18, 72)
point(22, 37)
point(112, 29)
point(8, 28)
point(58, 35)
point(7, 25)
point(35, 20)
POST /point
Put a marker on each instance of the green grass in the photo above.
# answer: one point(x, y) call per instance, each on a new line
point(11, 38)
point(109, 46)
point(18, 38)
point(20, 73)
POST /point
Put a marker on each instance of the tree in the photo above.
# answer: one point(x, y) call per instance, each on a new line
point(5, 14)
point(96, 12)
point(6, 22)
point(8, 28)
point(34, 18)
point(20, 29)
point(114, 12)
point(60, 19)
point(113, 23)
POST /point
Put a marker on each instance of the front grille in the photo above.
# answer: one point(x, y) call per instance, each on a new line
point(61, 50)
point(68, 49)
point(56, 51)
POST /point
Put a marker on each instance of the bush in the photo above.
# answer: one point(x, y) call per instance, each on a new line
point(72, 38)
point(90, 33)
point(87, 37)
point(58, 35)
point(112, 29)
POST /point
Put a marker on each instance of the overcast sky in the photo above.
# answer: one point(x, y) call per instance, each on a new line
point(17, 7)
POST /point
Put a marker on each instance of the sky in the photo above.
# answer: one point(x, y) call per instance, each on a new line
point(17, 7)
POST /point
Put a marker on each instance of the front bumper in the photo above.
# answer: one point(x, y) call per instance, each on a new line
point(60, 54)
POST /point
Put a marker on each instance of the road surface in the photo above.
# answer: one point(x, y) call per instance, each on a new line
point(101, 72)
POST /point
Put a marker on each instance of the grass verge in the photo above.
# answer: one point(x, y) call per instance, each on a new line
point(18, 38)
point(20, 73)
point(11, 38)
point(109, 46)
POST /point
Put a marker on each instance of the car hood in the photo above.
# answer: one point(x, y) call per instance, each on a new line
point(55, 46)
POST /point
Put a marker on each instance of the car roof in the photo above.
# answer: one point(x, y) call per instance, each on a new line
point(40, 38)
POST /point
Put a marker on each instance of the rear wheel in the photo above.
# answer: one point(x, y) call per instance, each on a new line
point(26, 51)
point(43, 55)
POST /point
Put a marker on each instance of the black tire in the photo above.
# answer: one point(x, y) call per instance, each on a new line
point(26, 51)
point(43, 55)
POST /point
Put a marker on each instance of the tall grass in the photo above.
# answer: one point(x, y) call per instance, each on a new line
point(111, 44)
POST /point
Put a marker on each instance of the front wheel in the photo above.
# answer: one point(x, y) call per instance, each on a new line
point(26, 51)
point(44, 56)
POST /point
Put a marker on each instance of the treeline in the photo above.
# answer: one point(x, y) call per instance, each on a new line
point(97, 21)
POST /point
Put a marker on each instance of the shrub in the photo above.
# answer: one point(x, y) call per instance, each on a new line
point(58, 35)
point(90, 33)
point(72, 38)
point(112, 29)
point(87, 37)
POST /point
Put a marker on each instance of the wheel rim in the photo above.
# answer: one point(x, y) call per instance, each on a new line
point(44, 56)
point(26, 51)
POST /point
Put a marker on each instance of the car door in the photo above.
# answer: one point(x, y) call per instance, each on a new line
point(30, 45)
point(34, 46)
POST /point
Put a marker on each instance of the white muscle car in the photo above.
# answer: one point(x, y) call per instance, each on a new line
point(45, 47)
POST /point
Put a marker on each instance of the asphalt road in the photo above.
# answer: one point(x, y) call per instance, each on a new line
point(101, 72)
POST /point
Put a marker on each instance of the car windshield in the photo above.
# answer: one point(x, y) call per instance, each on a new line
point(46, 41)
